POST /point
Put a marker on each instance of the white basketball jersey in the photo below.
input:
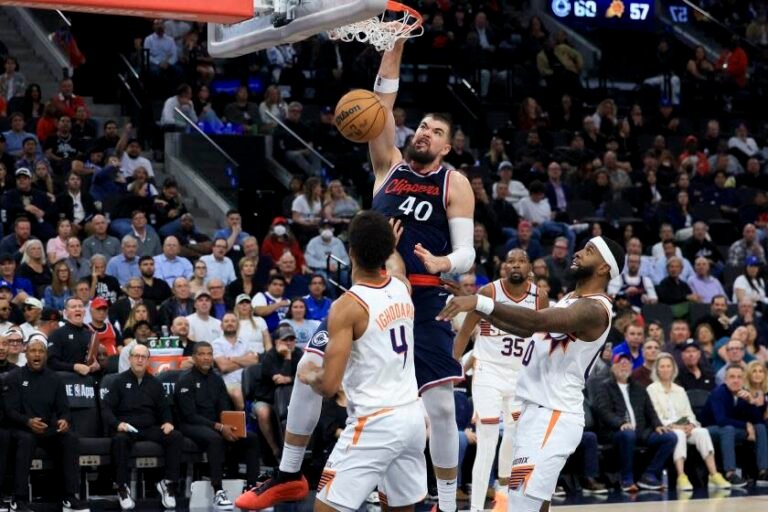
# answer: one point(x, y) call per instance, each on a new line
point(495, 346)
point(556, 365)
point(380, 371)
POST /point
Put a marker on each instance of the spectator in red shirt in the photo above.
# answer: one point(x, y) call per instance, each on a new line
point(694, 159)
point(66, 101)
point(733, 63)
point(279, 240)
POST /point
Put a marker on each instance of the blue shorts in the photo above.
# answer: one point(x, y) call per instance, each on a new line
point(433, 348)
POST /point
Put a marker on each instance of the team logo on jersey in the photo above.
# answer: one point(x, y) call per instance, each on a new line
point(557, 339)
point(320, 338)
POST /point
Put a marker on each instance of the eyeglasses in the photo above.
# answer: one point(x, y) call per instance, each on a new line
point(5, 309)
point(215, 287)
point(735, 349)
point(140, 357)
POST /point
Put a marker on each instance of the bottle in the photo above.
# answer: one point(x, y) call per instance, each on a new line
point(665, 479)
point(164, 329)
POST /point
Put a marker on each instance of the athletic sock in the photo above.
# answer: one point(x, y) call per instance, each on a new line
point(292, 457)
point(446, 495)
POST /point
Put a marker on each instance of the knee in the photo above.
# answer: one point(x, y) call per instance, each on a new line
point(760, 430)
point(626, 436)
point(589, 439)
point(120, 439)
point(264, 413)
point(670, 438)
point(174, 437)
point(728, 431)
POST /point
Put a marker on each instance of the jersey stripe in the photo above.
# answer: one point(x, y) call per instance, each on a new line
point(358, 299)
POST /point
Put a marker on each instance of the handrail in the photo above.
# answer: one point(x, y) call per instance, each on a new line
point(66, 20)
point(129, 89)
point(340, 265)
point(129, 66)
point(218, 148)
point(302, 141)
point(720, 24)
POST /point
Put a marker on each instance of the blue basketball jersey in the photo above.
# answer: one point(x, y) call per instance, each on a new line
point(419, 201)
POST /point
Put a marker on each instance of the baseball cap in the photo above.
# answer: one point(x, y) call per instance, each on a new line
point(326, 110)
point(505, 164)
point(691, 138)
point(279, 220)
point(50, 315)
point(243, 297)
point(665, 102)
point(285, 331)
point(33, 303)
point(23, 171)
point(5, 284)
point(202, 293)
point(752, 261)
point(690, 343)
point(99, 303)
point(619, 357)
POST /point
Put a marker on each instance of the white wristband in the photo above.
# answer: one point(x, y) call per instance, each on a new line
point(485, 304)
point(386, 85)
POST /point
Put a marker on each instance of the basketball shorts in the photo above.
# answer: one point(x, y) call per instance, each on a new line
point(384, 449)
point(493, 393)
point(433, 350)
point(544, 441)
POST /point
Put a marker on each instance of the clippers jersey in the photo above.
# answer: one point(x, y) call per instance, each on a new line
point(556, 366)
point(495, 346)
point(380, 372)
point(419, 201)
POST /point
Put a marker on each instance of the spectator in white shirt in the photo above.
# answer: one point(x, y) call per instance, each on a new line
point(536, 209)
point(516, 190)
point(231, 355)
point(742, 145)
point(183, 101)
point(666, 232)
point(639, 289)
point(218, 264)
point(202, 326)
point(324, 245)
point(132, 160)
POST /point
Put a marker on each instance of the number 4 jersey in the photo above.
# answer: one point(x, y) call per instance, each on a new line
point(419, 201)
point(380, 371)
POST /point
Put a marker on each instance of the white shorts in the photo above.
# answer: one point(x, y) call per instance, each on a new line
point(384, 449)
point(493, 393)
point(545, 439)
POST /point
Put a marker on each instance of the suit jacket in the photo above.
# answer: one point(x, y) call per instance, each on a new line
point(65, 205)
point(169, 310)
point(122, 308)
point(611, 412)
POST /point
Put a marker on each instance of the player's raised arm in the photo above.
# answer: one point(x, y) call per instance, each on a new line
point(382, 149)
point(578, 318)
point(468, 327)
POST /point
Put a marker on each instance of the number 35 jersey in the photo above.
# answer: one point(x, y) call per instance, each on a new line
point(419, 202)
point(498, 347)
point(380, 372)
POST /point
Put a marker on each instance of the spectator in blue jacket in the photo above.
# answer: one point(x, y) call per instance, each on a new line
point(730, 417)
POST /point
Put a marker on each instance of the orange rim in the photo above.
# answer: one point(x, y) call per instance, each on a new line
point(398, 7)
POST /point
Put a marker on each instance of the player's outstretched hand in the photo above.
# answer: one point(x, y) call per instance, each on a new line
point(452, 287)
point(458, 305)
point(430, 261)
point(397, 229)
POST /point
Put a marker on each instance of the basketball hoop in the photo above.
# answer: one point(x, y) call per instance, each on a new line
point(397, 22)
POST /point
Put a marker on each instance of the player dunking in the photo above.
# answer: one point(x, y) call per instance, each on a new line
point(436, 207)
point(556, 364)
point(371, 349)
point(498, 360)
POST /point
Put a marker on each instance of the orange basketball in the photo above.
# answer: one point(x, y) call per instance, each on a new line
point(360, 116)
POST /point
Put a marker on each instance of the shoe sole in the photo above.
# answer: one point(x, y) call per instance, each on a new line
point(761, 483)
point(296, 491)
point(590, 491)
point(224, 507)
point(648, 487)
point(738, 486)
point(162, 498)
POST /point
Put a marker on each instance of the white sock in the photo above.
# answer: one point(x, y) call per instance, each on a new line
point(292, 457)
point(446, 495)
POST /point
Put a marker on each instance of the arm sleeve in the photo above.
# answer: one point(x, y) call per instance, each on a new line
point(602, 408)
point(313, 257)
point(721, 417)
point(462, 234)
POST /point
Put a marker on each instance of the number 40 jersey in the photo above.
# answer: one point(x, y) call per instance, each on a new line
point(419, 201)
point(498, 347)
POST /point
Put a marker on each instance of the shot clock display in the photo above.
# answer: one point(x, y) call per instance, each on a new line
point(610, 14)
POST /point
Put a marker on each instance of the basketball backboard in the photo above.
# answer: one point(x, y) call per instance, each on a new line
point(309, 18)
point(221, 11)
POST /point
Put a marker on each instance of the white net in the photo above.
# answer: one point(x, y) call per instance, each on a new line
point(379, 33)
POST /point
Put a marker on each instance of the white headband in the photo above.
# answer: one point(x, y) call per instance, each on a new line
point(607, 255)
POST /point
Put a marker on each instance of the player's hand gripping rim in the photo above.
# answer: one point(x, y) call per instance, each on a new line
point(457, 305)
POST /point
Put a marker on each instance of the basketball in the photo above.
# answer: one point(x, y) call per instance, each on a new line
point(360, 116)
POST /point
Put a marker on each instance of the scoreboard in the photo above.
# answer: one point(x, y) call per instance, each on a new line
point(608, 14)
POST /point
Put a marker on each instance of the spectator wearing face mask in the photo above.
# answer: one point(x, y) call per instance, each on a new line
point(281, 239)
point(321, 247)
